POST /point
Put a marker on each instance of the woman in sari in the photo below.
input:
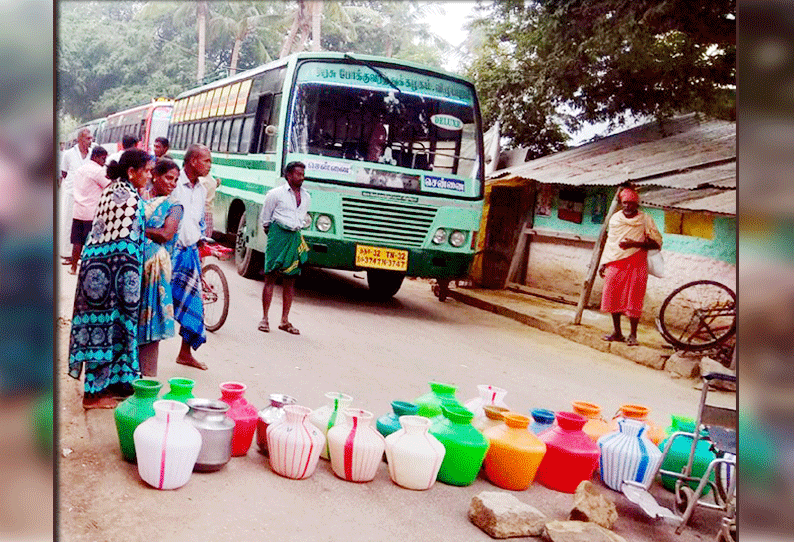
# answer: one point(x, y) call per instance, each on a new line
point(162, 216)
point(104, 335)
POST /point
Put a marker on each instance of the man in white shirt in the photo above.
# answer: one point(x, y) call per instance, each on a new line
point(89, 182)
point(128, 142)
point(71, 161)
point(186, 265)
point(282, 216)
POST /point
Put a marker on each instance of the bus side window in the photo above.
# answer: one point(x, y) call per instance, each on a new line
point(192, 133)
point(223, 146)
point(262, 117)
point(216, 136)
point(245, 134)
point(211, 127)
point(203, 133)
point(234, 135)
point(274, 113)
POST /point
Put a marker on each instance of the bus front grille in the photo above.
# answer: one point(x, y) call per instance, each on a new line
point(386, 223)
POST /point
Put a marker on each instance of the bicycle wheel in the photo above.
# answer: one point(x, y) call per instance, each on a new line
point(698, 315)
point(215, 293)
point(723, 473)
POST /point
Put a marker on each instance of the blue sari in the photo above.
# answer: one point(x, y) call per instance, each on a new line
point(104, 335)
point(156, 321)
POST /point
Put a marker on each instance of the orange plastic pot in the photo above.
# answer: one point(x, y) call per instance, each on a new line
point(514, 454)
point(596, 426)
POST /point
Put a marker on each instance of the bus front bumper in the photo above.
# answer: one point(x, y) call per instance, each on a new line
point(426, 263)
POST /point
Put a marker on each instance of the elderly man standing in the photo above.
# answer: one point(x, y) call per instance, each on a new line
point(282, 216)
point(624, 264)
point(70, 163)
point(186, 273)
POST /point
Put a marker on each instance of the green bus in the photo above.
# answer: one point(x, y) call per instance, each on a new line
point(393, 154)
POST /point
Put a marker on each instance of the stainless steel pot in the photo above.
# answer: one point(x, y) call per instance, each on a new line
point(269, 415)
point(209, 417)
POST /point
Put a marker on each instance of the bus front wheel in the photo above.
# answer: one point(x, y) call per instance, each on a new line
point(247, 260)
point(384, 284)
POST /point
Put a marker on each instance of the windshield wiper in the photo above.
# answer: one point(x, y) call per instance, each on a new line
point(373, 68)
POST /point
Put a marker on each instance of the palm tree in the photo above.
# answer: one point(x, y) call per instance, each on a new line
point(307, 16)
point(180, 12)
point(243, 20)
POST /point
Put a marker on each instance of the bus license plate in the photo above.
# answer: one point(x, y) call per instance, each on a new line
point(391, 259)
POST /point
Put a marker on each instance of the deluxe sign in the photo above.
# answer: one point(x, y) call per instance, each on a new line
point(447, 122)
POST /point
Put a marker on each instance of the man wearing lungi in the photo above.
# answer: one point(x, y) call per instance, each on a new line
point(624, 264)
point(185, 262)
point(282, 217)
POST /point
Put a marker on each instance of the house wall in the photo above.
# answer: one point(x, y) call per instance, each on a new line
point(560, 265)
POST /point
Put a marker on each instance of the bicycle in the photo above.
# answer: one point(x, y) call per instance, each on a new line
point(698, 315)
point(214, 287)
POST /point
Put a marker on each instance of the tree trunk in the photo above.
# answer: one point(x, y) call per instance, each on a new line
point(296, 23)
point(235, 56)
point(238, 43)
point(201, 21)
point(317, 11)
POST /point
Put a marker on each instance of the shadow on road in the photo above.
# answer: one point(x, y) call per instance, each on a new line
point(321, 287)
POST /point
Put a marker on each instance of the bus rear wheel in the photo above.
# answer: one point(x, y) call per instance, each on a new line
point(384, 284)
point(247, 260)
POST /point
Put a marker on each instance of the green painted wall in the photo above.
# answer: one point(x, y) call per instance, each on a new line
point(722, 247)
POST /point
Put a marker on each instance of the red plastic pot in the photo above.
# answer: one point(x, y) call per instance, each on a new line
point(571, 456)
point(244, 415)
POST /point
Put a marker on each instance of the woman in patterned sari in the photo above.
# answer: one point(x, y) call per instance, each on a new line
point(162, 215)
point(104, 336)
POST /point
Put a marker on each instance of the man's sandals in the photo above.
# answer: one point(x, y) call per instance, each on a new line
point(289, 328)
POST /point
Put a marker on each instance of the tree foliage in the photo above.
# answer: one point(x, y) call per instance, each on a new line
point(603, 60)
point(115, 55)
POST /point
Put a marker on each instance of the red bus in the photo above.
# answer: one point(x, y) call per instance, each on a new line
point(147, 122)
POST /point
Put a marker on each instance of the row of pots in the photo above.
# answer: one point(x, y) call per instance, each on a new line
point(497, 440)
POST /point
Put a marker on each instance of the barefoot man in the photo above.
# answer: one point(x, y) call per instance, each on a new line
point(282, 218)
point(186, 266)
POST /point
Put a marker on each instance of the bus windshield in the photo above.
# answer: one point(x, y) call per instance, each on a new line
point(389, 121)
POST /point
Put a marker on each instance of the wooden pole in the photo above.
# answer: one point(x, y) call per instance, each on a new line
point(592, 269)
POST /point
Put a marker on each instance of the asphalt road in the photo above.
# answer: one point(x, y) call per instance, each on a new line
point(376, 352)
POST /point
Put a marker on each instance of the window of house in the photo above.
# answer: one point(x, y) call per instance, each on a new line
point(691, 224)
point(571, 206)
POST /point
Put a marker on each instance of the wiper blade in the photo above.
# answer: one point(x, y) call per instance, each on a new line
point(373, 68)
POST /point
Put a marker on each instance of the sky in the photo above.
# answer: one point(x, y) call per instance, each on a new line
point(450, 26)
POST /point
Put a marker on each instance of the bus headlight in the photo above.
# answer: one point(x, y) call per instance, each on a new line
point(440, 236)
point(323, 223)
point(457, 238)
point(307, 222)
